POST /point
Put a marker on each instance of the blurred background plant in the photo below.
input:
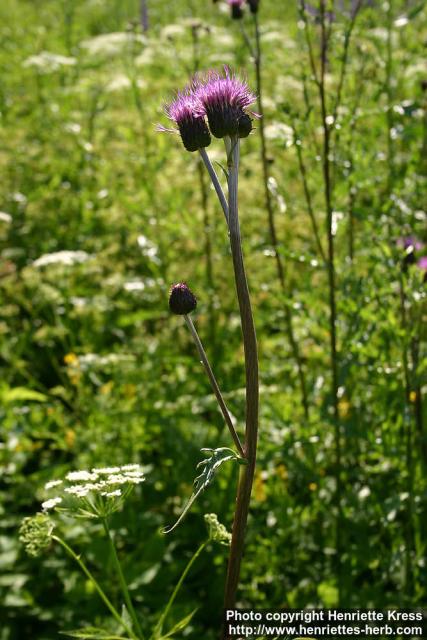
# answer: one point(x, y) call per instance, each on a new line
point(99, 213)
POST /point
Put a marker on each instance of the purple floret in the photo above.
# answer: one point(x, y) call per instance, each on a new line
point(188, 115)
point(225, 99)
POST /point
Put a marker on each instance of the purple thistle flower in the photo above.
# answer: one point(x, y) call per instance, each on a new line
point(182, 300)
point(225, 100)
point(186, 112)
point(410, 246)
point(236, 9)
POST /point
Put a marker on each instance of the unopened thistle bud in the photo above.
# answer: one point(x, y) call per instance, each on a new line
point(253, 5)
point(182, 300)
point(236, 9)
point(225, 100)
point(185, 112)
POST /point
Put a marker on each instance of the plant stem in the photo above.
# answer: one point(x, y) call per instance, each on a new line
point(215, 182)
point(122, 580)
point(144, 15)
point(332, 299)
point(307, 193)
point(99, 590)
point(214, 384)
point(208, 253)
point(252, 384)
point(159, 625)
point(409, 459)
point(257, 57)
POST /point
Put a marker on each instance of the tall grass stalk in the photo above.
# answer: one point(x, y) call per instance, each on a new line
point(327, 185)
point(328, 121)
point(144, 15)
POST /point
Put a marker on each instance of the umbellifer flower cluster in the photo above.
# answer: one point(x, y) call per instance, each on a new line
point(222, 99)
point(95, 493)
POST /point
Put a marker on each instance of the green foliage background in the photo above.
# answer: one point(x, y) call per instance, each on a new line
point(83, 169)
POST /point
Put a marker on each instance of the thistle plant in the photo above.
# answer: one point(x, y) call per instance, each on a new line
point(221, 103)
point(95, 495)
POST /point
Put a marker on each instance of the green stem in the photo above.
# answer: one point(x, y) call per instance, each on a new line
point(122, 581)
point(99, 590)
point(159, 626)
point(332, 294)
point(214, 384)
point(252, 384)
point(215, 182)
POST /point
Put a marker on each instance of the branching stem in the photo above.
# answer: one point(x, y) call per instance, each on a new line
point(122, 580)
point(98, 589)
point(221, 197)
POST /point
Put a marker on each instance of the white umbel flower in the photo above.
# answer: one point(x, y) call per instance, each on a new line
point(51, 504)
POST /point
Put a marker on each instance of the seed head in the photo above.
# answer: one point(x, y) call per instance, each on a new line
point(181, 299)
point(225, 99)
point(236, 9)
point(186, 112)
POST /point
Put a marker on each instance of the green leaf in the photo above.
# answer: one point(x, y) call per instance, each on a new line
point(92, 633)
point(179, 625)
point(210, 465)
point(412, 13)
point(18, 394)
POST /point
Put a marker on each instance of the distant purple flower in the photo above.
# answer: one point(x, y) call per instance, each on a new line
point(182, 300)
point(410, 246)
point(422, 264)
point(406, 242)
point(236, 8)
point(225, 99)
point(188, 115)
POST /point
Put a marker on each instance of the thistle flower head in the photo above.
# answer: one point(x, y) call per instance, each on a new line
point(188, 115)
point(236, 9)
point(181, 299)
point(225, 99)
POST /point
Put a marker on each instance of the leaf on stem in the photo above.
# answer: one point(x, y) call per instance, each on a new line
point(92, 633)
point(179, 626)
point(215, 458)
